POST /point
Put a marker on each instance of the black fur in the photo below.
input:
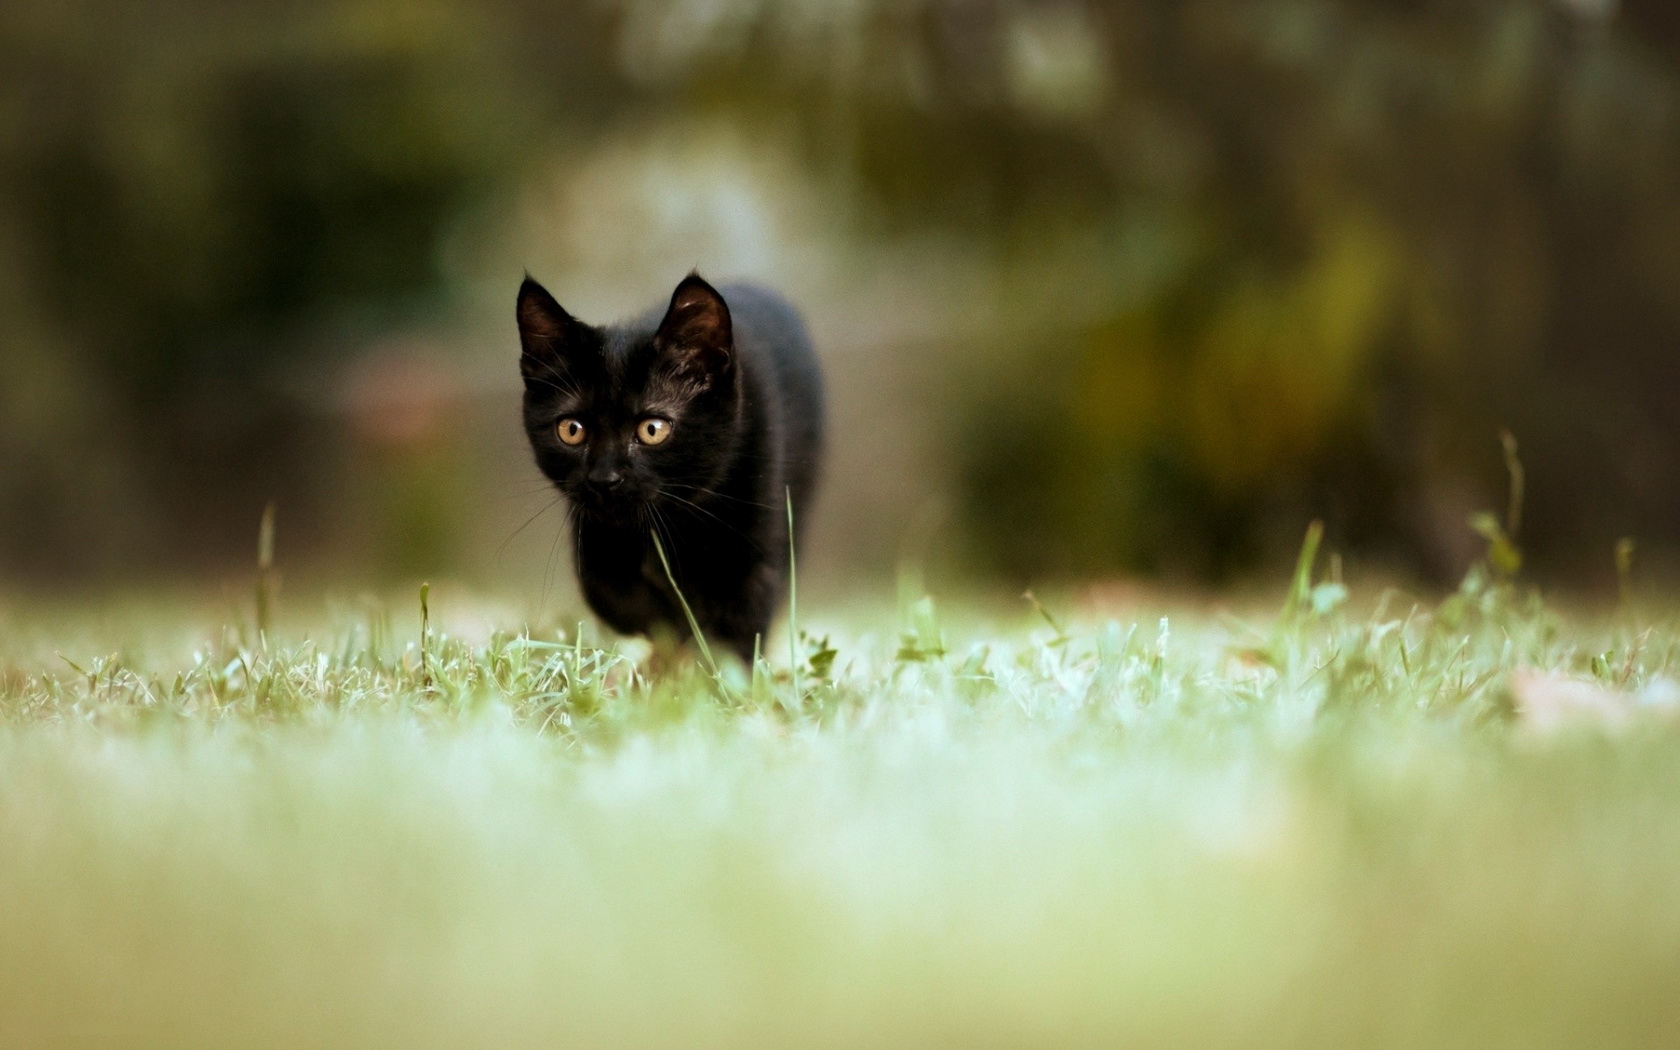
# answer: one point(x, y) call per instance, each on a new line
point(733, 372)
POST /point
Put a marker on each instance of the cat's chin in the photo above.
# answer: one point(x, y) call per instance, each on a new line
point(618, 513)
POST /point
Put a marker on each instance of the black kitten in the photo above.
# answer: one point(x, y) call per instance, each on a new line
point(697, 423)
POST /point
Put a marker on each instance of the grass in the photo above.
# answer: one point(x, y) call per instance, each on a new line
point(1321, 829)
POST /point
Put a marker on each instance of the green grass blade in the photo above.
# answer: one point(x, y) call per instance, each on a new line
point(693, 624)
point(793, 603)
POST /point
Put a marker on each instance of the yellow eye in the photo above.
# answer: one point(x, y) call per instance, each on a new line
point(653, 431)
point(571, 432)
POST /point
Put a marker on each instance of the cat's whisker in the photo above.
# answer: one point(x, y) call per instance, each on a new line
point(550, 505)
point(713, 494)
point(720, 520)
point(526, 493)
point(548, 565)
point(567, 527)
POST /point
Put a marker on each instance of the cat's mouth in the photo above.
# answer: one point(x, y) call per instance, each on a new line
point(612, 509)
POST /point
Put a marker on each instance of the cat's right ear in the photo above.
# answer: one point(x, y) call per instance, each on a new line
point(546, 332)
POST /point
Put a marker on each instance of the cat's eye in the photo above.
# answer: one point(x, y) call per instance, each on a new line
point(653, 430)
point(571, 432)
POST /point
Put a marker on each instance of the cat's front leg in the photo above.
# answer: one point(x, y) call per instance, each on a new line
point(610, 573)
point(741, 622)
point(627, 607)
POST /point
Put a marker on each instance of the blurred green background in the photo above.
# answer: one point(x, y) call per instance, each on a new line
point(1104, 289)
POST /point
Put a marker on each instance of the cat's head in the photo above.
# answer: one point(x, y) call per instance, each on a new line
point(624, 416)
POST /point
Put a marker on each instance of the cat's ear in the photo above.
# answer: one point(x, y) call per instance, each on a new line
point(696, 334)
point(546, 331)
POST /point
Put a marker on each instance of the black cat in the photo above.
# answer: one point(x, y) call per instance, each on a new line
point(697, 422)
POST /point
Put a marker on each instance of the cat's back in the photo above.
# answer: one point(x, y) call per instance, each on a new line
point(776, 348)
point(771, 334)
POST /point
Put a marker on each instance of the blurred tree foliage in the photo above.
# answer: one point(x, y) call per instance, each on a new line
point(1253, 261)
point(188, 192)
point(1312, 257)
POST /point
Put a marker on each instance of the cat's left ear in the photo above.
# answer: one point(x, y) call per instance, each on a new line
point(696, 333)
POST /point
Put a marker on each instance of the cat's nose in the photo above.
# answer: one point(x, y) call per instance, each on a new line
point(606, 479)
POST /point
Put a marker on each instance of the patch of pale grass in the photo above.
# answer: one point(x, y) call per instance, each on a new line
point(1320, 831)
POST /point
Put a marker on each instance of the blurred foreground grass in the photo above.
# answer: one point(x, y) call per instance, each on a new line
point(1322, 829)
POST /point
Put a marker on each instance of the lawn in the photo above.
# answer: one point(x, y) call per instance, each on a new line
point(1376, 822)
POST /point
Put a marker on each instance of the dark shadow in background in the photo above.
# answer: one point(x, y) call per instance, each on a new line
point(1247, 263)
